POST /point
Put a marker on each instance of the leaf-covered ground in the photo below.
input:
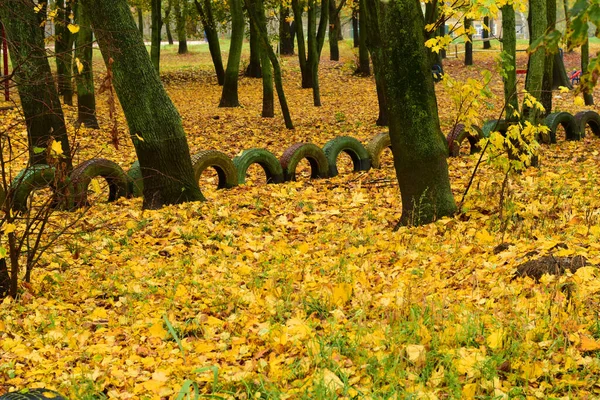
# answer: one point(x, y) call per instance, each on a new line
point(302, 290)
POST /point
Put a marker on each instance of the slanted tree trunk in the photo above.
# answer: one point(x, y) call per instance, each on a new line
point(167, 21)
point(548, 80)
point(363, 52)
point(154, 123)
point(39, 97)
point(355, 34)
point(509, 56)
point(180, 18)
point(63, 47)
point(305, 70)
point(212, 37)
point(261, 30)
point(485, 33)
point(156, 28)
point(286, 32)
point(334, 32)
point(229, 95)
point(253, 68)
point(468, 43)
point(585, 60)
point(418, 145)
point(535, 68)
point(140, 15)
point(84, 77)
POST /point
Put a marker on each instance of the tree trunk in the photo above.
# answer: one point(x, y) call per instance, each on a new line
point(212, 37)
point(286, 33)
point(253, 68)
point(535, 68)
point(334, 32)
point(63, 47)
point(84, 77)
point(229, 95)
point(363, 52)
point(39, 97)
point(548, 80)
point(567, 25)
point(167, 22)
point(374, 44)
point(268, 107)
point(431, 17)
point(418, 145)
point(485, 33)
point(585, 60)
point(156, 28)
point(509, 56)
point(355, 34)
point(261, 30)
point(305, 70)
point(180, 17)
point(140, 15)
point(468, 43)
point(154, 123)
point(316, 39)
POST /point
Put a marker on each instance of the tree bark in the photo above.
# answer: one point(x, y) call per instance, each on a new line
point(180, 18)
point(363, 53)
point(535, 68)
point(39, 98)
point(154, 123)
point(63, 48)
point(286, 33)
point(84, 77)
point(374, 44)
point(305, 70)
point(212, 37)
point(418, 145)
point(468, 43)
point(253, 68)
point(548, 79)
point(585, 60)
point(334, 32)
point(316, 39)
point(229, 95)
point(509, 42)
point(268, 106)
point(156, 28)
point(485, 34)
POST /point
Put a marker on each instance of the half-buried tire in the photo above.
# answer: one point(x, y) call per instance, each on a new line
point(33, 178)
point(136, 181)
point(269, 163)
point(293, 155)
point(220, 162)
point(376, 146)
point(494, 126)
point(588, 118)
point(33, 394)
point(568, 122)
point(458, 135)
point(82, 175)
point(349, 145)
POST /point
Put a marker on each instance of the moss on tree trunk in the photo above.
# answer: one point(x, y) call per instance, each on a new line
point(84, 77)
point(229, 95)
point(154, 123)
point(535, 68)
point(418, 145)
point(509, 42)
point(39, 98)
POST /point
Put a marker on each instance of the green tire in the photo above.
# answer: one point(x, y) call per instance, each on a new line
point(588, 118)
point(349, 145)
point(136, 181)
point(376, 146)
point(493, 126)
point(295, 153)
point(269, 163)
point(33, 394)
point(226, 171)
point(33, 178)
point(567, 121)
point(82, 175)
point(458, 135)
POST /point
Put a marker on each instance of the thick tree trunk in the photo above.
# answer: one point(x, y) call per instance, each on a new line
point(418, 145)
point(39, 97)
point(363, 52)
point(585, 60)
point(140, 16)
point(156, 28)
point(334, 32)
point(180, 17)
point(229, 95)
point(355, 34)
point(535, 68)
point(548, 80)
point(305, 70)
point(468, 43)
point(253, 68)
point(509, 41)
point(286, 33)
point(84, 77)
point(63, 47)
point(261, 30)
point(485, 33)
point(154, 123)
point(212, 37)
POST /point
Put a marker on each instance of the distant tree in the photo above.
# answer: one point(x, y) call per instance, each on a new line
point(229, 95)
point(535, 67)
point(37, 91)
point(63, 48)
point(212, 37)
point(154, 123)
point(167, 21)
point(485, 33)
point(335, 29)
point(468, 42)
point(363, 52)
point(156, 7)
point(181, 13)
point(355, 33)
point(509, 57)
point(286, 31)
point(84, 77)
point(253, 68)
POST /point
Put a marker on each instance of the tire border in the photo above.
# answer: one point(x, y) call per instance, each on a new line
point(82, 175)
point(375, 147)
point(569, 123)
point(218, 160)
point(263, 157)
point(351, 146)
point(588, 118)
point(294, 154)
